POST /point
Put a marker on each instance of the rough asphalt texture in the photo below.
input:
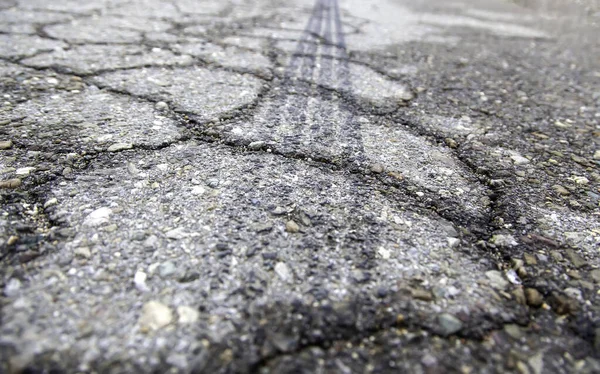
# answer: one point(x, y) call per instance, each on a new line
point(315, 186)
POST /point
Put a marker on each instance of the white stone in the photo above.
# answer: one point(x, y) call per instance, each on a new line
point(581, 180)
point(283, 271)
point(139, 279)
point(51, 202)
point(12, 288)
point(155, 315)
point(177, 234)
point(198, 190)
point(24, 171)
point(187, 314)
point(504, 240)
point(513, 277)
point(519, 160)
point(83, 252)
point(98, 217)
point(119, 147)
point(384, 253)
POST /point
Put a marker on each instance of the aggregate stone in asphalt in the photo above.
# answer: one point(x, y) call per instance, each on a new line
point(330, 186)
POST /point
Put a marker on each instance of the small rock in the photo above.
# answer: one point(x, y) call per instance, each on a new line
point(176, 234)
point(421, 294)
point(513, 277)
point(582, 181)
point(187, 314)
point(132, 169)
point(166, 269)
point(83, 252)
point(155, 315)
point(453, 242)
point(574, 274)
point(67, 171)
point(24, 171)
point(449, 229)
point(292, 227)
point(6, 144)
point(596, 154)
point(513, 331)
point(516, 263)
point(269, 255)
point(283, 342)
point(51, 202)
point(12, 288)
point(98, 217)
point(139, 279)
point(151, 242)
point(574, 293)
point(255, 146)
point(263, 227)
point(382, 292)
point(504, 240)
point(11, 183)
point(562, 304)
point(575, 258)
point(429, 361)
point(519, 296)
point(560, 190)
point(162, 106)
point(119, 147)
point(536, 362)
point(138, 236)
point(451, 143)
point(448, 324)
point(377, 168)
point(557, 256)
point(522, 272)
point(384, 253)
point(595, 274)
point(519, 160)
point(534, 297)
point(198, 190)
point(496, 279)
point(581, 160)
point(278, 211)
point(283, 271)
point(361, 276)
point(212, 183)
point(529, 259)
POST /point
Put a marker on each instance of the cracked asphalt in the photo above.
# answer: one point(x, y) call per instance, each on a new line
point(307, 186)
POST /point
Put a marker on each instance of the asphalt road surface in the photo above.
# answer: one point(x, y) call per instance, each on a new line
point(308, 186)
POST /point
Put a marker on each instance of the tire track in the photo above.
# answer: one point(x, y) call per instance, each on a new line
point(306, 118)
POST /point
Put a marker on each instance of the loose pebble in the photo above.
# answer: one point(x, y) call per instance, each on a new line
point(283, 271)
point(534, 297)
point(10, 184)
point(98, 217)
point(120, 147)
point(292, 227)
point(187, 315)
point(155, 316)
point(6, 144)
point(448, 324)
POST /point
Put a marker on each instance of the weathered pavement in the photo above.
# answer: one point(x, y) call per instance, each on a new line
point(329, 186)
